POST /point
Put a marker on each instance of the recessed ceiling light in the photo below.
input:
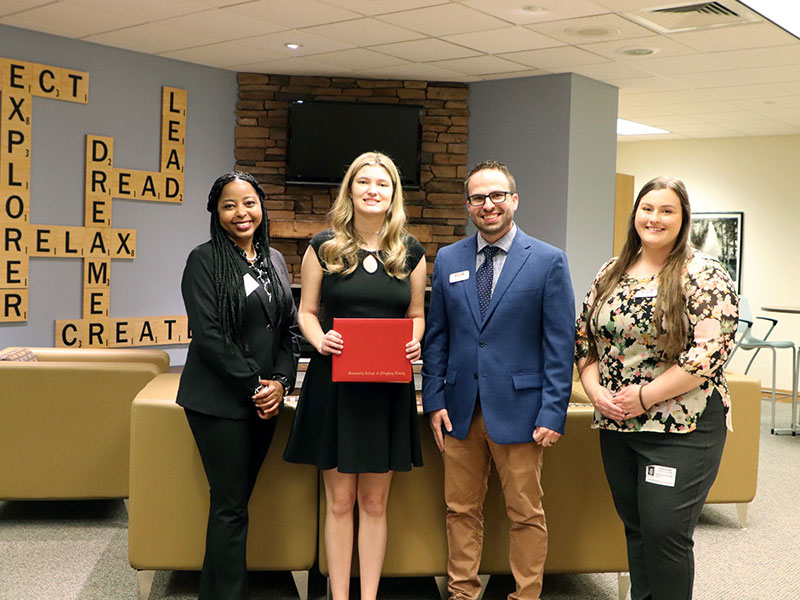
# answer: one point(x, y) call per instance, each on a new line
point(625, 127)
point(636, 51)
point(294, 46)
point(594, 31)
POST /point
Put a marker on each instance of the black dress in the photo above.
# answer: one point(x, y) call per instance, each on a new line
point(357, 427)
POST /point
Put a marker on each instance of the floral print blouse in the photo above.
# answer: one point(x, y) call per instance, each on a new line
point(626, 343)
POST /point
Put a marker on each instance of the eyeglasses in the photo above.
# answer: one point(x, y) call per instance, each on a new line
point(480, 199)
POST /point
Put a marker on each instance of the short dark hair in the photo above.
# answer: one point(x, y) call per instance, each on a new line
point(492, 165)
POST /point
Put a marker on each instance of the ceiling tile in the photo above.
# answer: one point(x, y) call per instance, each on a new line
point(764, 127)
point(222, 55)
point(425, 50)
point(446, 19)
point(506, 39)
point(646, 84)
point(786, 115)
point(774, 74)
point(671, 123)
point(677, 65)
point(649, 138)
point(555, 58)
point(357, 58)
point(632, 5)
point(292, 66)
point(589, 29)
point(608, 71)
point(662, 45)
point(309, 43)
point(710, 79)
point(785, 102)
point(761, 57)
point(144, 11)
point(793, 87)
point(726, 117)
point(417, 71)
point(515, 74)
point(764, 90)
point(692, 108)
point(480, 65)
point(181, 32)
point(751, 35)
point(292, 13)
point(60, 18)
point(364, 32)
point(664, 98)
point(379, 7)
point(9, 7)
point(709, 131)
point(205, 3)
point(514, 10)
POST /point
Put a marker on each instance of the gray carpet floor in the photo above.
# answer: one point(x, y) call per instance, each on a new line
point(78, 550)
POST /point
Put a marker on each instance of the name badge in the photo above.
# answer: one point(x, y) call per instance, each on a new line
point(460, 276)
point(660, 475)
point(250, 284)
point(646, 294)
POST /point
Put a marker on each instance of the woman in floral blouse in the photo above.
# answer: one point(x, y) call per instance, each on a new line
point(655, 331)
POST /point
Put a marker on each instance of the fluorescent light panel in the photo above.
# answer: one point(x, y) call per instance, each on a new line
point(784, 13)
point(625, 127)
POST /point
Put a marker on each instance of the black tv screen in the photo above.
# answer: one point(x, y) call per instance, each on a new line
point(325, 137)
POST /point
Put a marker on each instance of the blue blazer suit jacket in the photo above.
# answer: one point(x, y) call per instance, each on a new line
point(519, 357)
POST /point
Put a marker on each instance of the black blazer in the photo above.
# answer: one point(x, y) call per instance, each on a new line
point(219, 381)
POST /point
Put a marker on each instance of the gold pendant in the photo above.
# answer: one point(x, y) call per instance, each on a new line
point(370, 263)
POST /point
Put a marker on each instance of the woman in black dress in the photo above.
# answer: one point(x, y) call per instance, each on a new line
point(365, 266)
point(242, 360)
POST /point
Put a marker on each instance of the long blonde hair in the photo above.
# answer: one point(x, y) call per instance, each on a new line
point(669, 314)
point(340, 253)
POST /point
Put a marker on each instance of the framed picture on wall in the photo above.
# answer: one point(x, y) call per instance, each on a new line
point(720, 235)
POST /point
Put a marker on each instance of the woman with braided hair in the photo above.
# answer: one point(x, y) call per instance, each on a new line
point(242, 361)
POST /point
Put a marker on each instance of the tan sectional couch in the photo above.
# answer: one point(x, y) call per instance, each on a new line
point(169, 498)
point(585, 534)
point(738, 471)
point(65, 421)
point(168, 507)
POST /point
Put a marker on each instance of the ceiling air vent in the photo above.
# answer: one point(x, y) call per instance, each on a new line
point(691, 17)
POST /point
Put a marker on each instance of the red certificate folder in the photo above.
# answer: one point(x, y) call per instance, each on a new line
point(374, 350)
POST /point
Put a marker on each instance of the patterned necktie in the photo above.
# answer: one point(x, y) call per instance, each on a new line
point(484, 276)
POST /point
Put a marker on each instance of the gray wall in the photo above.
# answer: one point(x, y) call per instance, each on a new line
point(592, 179)
point(557, 134)
point(124, 103)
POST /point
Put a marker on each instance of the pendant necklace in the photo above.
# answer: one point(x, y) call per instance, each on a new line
point(370, 263)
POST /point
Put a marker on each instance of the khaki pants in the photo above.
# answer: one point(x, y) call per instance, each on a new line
point(466, 475)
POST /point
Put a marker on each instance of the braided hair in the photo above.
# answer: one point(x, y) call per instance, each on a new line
point(227, 277)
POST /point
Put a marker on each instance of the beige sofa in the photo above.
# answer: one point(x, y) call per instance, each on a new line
point(65, 421)
point(585, 534)
point(169, 498)
point(168, 506)
point(738, 471)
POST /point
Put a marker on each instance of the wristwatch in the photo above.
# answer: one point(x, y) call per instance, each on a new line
point(283, 381)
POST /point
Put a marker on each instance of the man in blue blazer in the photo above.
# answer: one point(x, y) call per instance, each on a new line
point(497, 377)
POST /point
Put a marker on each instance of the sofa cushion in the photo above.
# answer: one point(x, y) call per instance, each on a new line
point(19, 354)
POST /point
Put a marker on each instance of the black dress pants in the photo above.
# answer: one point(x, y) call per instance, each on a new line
point(660, 519)
point(232, 452)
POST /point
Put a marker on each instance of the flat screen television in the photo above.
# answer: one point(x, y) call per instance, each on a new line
point(325, 137)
